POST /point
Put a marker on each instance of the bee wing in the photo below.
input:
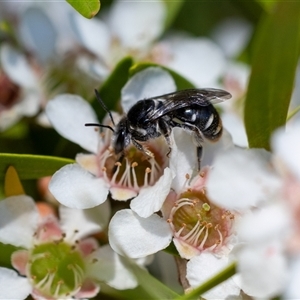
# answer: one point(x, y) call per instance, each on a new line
point(186, 98)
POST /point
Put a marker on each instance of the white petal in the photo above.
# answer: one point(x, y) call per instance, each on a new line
point(241, 179)
point(75, 187)
point(183, 158)
point(93, 34)
point(16, 67)
point(38, 33)
point(133, 236)
point(272, 221)
point(286, 145)
point(68, 114)
point(212, 149)
point(110, 268)
point(18, 221)
point(13, 286)
point(236, 127)
point(148, 83)
point(88, 162)
point(232, 35)
point(293, 289)
point(151, 199)
point(203, 267)
point(263, 270)
point(198, 59)
point(137, 23)
point(84, 222)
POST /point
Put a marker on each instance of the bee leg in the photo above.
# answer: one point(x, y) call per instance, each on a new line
point(141, 148)
point(199, 156)
point(165, 130)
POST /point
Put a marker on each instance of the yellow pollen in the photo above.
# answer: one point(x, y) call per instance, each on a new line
point(209, 225)
point(148, 170)
point(183, 225)
point(169, 220)
point(187, 176)
point(134, 164)
point(103, 169)
point(202, 174)
point(118, 164)
point(206, 206)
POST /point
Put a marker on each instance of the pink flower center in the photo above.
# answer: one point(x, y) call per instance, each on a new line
point(137, 170)
point(200, 223)
point(9, 92)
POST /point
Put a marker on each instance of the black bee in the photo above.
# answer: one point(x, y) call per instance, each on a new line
point(189, 109)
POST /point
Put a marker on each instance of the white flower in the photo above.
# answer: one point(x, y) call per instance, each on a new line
point(87, 183)
point(198, 59)
point(266, 189)
point(129, 29)
point(20, 91)
point(79, 264)
point(196, 226)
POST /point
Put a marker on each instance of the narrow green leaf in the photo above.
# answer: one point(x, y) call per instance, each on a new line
point(275, 57)
point(252, 9)
point(153, 287)
point(267, 5)
point(293, 113)
point(173, 7)
point(110, 90)
point(31, 166)
point(209, 284)
point(180, 81)
point(148, 286)
point(6, 251)
point(87, 8)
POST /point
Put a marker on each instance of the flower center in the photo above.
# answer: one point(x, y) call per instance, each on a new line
point(56, 269)
point(136, 170)
point(200, 223)
point(9, 92)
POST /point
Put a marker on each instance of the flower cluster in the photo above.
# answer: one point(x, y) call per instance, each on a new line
point(266, 192)
point(56, 259)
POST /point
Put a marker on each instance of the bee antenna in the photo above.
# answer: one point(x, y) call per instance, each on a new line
point(105, 108)
point(99, 125)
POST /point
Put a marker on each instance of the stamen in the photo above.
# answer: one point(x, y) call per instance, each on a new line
point(146, 182)
point(118, 165)
point(135, 183)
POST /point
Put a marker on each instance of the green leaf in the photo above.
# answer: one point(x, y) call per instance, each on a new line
point(209, 284)
point(173, 7)
point(110, 90)
point(153, 287)
point(180, 81)
point(267, 5)
point(6, 251)
point(251, 9)
point(275, 57)
point(31, 166)
point(148, 286)
point(87, 8)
